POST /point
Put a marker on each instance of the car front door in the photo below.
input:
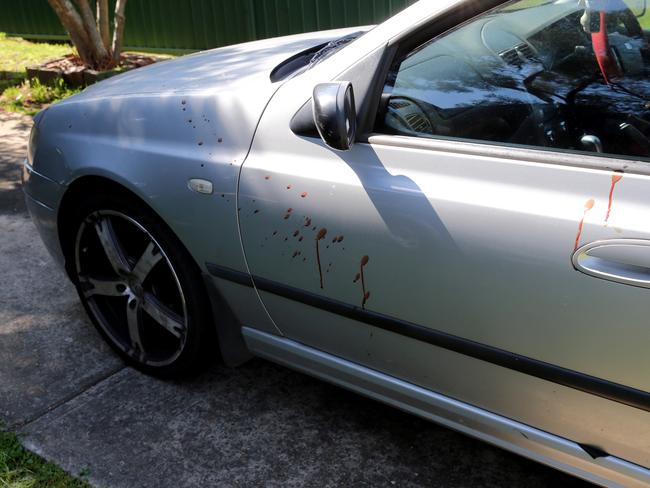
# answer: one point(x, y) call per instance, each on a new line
point(446, 249)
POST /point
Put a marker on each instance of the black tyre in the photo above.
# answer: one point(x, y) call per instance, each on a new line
point(140, 287)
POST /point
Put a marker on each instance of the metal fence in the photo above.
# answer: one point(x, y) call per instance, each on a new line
point(171, 25)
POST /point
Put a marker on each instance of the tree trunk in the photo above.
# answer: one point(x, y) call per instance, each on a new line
point(103, 23)
point(102, 57)
point(118, 30)
point(74, 25)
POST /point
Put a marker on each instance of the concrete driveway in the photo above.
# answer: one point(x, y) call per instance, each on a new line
point(77, 405)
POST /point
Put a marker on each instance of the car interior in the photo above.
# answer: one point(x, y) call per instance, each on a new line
point(564, 74)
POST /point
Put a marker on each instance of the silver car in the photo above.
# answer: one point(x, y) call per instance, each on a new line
point(449, 212)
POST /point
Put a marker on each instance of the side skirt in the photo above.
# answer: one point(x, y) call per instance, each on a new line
point(522, 439)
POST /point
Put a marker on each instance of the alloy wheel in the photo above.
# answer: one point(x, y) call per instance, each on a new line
point(131, 288)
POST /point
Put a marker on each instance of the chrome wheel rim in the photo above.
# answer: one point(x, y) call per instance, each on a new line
point(131, 288)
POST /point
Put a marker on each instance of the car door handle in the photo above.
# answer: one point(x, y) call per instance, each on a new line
point(621, 260)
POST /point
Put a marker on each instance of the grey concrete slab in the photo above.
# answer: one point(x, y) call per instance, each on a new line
point(262, 425)
point(258, 425)
point(49, 351)
point(14, 133)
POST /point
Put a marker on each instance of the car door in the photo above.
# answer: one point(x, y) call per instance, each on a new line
point(454, 247)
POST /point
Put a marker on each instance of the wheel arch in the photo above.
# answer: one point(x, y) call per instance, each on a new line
point(230, 342)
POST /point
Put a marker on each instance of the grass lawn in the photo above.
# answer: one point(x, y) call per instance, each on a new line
point(22, 469)
point(30, 97)
point(16, 54)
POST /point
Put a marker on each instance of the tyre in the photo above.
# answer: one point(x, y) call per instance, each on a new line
point(140, 287)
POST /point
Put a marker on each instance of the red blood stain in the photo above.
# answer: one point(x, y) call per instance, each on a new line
point(289, 210)
point(366, 295)
point(289, 187)
point(295, 234)
point(615, 179)
point(303, 194)
point(357, 278)
point(321, 235)
point(267, 177)
point(340, 239)
point(589, 204)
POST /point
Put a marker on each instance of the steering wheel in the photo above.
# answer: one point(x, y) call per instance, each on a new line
point(608, 62)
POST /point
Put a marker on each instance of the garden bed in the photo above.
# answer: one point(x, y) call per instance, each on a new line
point(72, 71)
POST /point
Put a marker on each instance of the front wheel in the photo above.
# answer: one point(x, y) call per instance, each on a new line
point(140, 287)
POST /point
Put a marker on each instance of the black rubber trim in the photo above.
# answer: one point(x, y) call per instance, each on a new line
point(230, 274)
point(516, 362)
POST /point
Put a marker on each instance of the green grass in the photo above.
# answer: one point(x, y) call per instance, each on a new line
point(22, 469)
point(31, 97)
point(16, 54)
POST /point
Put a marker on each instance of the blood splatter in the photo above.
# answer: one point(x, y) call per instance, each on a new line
point(357, 278)
point(289, 187)
point(589, 204)
point(303, 194)
point(307, 222)
point(366, 296)
point(340, 239)
point(300, 239)
point(295, 234)
point(267, 177)
point(287, 216)
point(295, 254)
point(321, 235)
point(616, 177)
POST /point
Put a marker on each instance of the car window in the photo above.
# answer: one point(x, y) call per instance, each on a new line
point(565, 74)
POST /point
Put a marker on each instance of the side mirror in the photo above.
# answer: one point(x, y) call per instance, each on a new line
point(335, 114)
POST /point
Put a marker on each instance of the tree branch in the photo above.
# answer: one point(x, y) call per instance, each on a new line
point(103, 23)
point(91, 28)
point(72, 22)
point(118, 30)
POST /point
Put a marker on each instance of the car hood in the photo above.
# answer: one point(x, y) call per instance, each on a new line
point(243, 64)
